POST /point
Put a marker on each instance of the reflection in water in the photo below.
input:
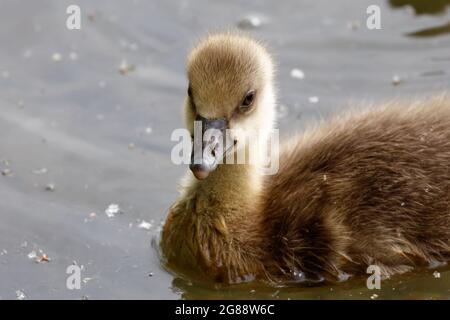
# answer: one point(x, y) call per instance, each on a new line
point(426, 7)
point(248, 290)
point(431, 32)
point(422, 6)
point(423, 283)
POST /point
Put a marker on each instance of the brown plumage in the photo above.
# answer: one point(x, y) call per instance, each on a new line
point(370, 187)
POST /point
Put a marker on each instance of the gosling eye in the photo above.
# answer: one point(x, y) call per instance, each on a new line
point(189, 92)
point(247, 102)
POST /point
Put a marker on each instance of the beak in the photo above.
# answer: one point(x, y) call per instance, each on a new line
point(208, 149)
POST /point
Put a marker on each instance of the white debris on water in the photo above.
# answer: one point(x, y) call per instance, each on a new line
point(57, 57)
point(50, 187)
point(6, 172)
point(437, 274)
point(250, 22)
point(20, 295)
point(3, 252)
point(32, 255)
point(145, 225)
point(112, 210)
point(73, 56)
point(374, 296)
point(125, 67)
point(91, 217)
point(40, 171)
point(43, 258)
point(313, 99)
point(102, 84)
point(297, 74)
point(20, 103)
point(396, 80)
point(148, 130)
point(40, 257)
point(86, 280)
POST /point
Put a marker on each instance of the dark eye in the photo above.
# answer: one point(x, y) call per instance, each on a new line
point(248, 100)
point(189, 92)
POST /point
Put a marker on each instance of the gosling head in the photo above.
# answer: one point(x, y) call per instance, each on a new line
point(230, 94)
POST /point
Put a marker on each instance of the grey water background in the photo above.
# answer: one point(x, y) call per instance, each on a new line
point(76, 135)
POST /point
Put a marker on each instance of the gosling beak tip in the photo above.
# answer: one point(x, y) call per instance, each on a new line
point(199, 171)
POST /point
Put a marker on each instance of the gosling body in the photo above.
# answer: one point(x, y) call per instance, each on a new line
point(370, 187)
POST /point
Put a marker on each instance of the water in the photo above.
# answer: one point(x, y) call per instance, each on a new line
point(103, 137)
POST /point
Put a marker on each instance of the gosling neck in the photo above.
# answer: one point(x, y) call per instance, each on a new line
point(233, 189)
